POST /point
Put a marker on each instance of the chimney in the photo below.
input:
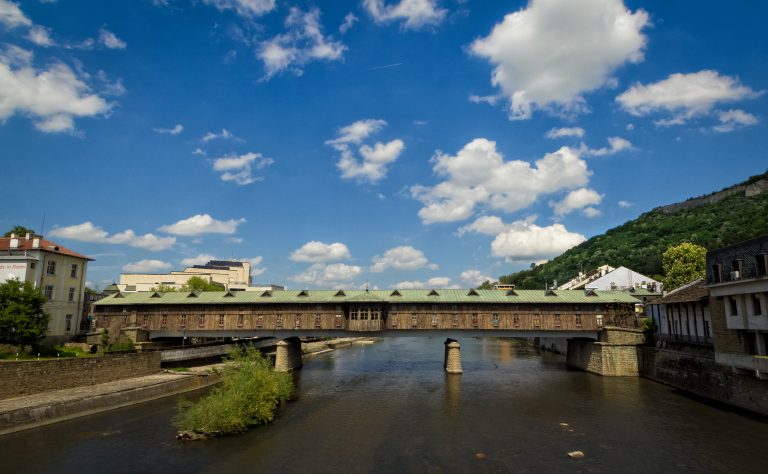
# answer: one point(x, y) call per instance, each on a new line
point(28, 236)
point(14, 242)
point(13, 236)
point(36, 243)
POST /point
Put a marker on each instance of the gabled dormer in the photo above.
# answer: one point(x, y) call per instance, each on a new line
point(395, 293)
point(266, 294)
point(433, 293)
point(340, 293)
point(472, 292)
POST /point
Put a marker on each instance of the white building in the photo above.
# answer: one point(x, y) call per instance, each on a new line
point(230, 275)
point(57, 271)
point(682, 315)
point(607, 278)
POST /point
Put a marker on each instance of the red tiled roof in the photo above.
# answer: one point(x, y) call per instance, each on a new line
point(45, 245)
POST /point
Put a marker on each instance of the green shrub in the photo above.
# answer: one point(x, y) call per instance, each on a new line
point(249, 395)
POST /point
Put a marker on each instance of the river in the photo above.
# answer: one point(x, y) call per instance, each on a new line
point(389, 407)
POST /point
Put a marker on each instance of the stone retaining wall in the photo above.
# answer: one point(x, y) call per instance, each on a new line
point(610, 360)
point(702, 376)
point(28, 377)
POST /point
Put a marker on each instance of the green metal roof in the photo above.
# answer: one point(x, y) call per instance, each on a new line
point(384, 296)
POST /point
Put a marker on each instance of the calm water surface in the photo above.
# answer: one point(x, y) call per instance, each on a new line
point(389, 407)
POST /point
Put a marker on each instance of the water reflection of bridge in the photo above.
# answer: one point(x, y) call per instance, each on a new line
point(288, 314)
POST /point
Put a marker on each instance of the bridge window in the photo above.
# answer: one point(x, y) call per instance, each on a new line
point(145, 321)
point(375, 314)
point(279, 321)
point(455, 319)
point(221, 320)
point(516, 320)
point(414, 320)
point(475, 320)
point(578, 320)
point(558, 321)
point(164, 321)
point(183, 322)
point(434, 320)
point(394, 320)
point(318, 321)
point(240, 320)
point(599, 319)
point(537, 321)
point(338, 320)
point(394, 307)
point(297, 321)
point(495, 320)
point(201, 321)
point(353, 314)
point(260, 321)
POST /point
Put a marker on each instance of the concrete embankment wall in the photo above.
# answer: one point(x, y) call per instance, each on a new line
point(701, 375)
point(29, 377)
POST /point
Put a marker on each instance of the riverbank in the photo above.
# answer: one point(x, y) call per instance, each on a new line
point(30, 410)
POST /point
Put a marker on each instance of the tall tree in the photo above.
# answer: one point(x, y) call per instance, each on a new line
point(19, 230)
point(683, 263)
point(198, 284)
point(22, 319)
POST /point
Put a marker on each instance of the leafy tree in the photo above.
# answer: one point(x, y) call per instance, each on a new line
point(198, 284)
point(19, 230)
point(684, 263)
point(22, 319)
point(162, 288)
point(486, 285)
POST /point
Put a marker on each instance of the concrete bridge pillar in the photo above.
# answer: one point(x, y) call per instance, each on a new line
point(288, 355)
point(452, 363)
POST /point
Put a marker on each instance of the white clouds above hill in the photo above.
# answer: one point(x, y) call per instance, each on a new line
point(315, 251)
point(373, 165)
point(202, 224)
point(147, 266)
point(401, 258)
point(687, 96)
point(577, 199)
point(547, 55)
point(474, 277)
point(87, 232)
point(413, 14)
point(478, 176)
point(436, 282)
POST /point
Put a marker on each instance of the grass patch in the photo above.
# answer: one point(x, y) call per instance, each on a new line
point(249, 395)
point(180, 369)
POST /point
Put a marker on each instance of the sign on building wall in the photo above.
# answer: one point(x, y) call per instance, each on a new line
point(9, 271)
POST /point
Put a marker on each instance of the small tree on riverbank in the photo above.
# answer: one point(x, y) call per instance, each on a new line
point(22, 319)
point(249, 395)
point(683, 264)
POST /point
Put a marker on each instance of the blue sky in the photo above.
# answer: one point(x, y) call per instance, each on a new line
point(409, 143)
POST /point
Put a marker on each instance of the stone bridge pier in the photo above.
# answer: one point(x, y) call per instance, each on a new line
point(617, 352)
point(452, 363)
point(288, 355)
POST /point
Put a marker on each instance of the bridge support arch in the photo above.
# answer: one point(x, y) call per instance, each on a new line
point(452, 363)
point(288, 355)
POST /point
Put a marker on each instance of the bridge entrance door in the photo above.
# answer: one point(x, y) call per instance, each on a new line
point(365, 318)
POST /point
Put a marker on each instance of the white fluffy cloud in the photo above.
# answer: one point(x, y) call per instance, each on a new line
point(349, 21)
point(732, 119)
point(246, 8)
point(551, 52)
point(224, 134)
point(202, 224)
point(564, 132)
point(315, 251)
point(523, 240)
point(324, 275)
point(87, 232)
point(576, 199)
point(615, 145)
point(414, 14)
point(684, 96)
point(52, 96)
point(478, 176)
point(110, 40)
point(401, 258)
point(625, 204)
point(474, 277)
point(240, 168)
point(147, 266)
point(436, 282)
point(171, 131)
point(41, 36)
point(12, 16)
point(373, 165)
point(303, 41)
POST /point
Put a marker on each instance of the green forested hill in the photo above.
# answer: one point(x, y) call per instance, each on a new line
point(734, 214)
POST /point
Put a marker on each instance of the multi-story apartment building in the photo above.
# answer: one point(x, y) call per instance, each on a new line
point(57, 271)
point(737, 278)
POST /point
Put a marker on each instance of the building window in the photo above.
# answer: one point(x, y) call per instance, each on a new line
point(240, 320)
point(221, 320)
point(125, 320)
point(455, 320)
point(201, 321)
point(762, 265)
point(537, 321)
point(434, 320)
point(73, 272)
point(414, 321)
point(145, 321)
point(375, 314)
point(68, 323)
point(394, 320)
point(164, 321)
point(33, 265)
point(183, 321)
point(353, 314)
point(716, 274)
point(599, 320)
point(475, 320)
point(297, 321)
point(495, 320)
point(578, 320)
point(49, 291)
point(279, 321)
point(756, 305)
point(259, 321)
point(318, 321)
point(516, 320)
point(707, 330)
point(71, 295)
point(558, 321)
point(734, 306)
point(51, 267)
point(338, 320)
